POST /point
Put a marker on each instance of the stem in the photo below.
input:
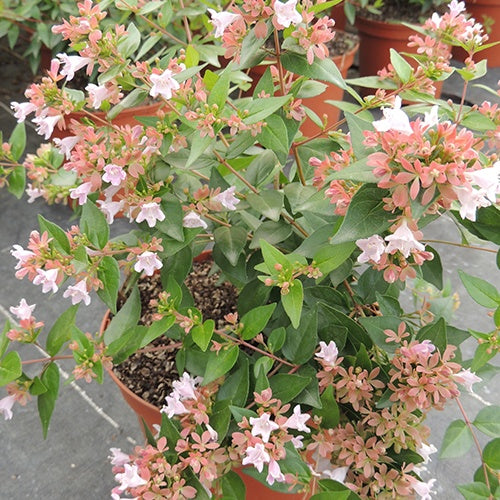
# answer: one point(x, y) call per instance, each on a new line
point(235, 172)
point(47, 359)
point(478, 446)
point(186, 24)
point(300, 171)
point(278, 61)
point(216, 220)
point(463, 245)
point(462, 100)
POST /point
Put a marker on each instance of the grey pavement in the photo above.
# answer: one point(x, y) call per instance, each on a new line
point(90, 418)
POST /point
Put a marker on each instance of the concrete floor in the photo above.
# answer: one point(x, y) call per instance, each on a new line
point(66, 467)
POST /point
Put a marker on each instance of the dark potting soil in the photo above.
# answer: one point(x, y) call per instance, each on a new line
point(401, 10)
point(150, 374)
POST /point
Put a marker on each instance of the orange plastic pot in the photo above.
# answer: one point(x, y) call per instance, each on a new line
point(317, 103)
point(484, 11)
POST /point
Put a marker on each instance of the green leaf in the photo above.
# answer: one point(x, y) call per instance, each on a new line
point(202, 334)
point(156, 329)
point(262, 168)
point(231, 242)
point(276, 339)
point(273, 256)
point(219, 92)
point(17, 140)
point(329, 412)
point(47, 400)
point(286, 386)
point(172, 224)
point(274, 136)
point(255, 320)
point(233, 487)
point(127, 317)
point(457, 440)
point(198, 147)
point(260, 109)
point(365, 215)
point(401, 66)
point(491, 454)
point(357, 126)
point(488, 421)
point(253, 294)
point(17, 181)
point(236, 386)
point(272, 232)
point(292, 302)
point(220, 363)
point(432, 270)
point(130, 43)
point(329, 257)
point(436, 333)
point(482, 355)
point(10, 367)
point(60, 239)
point(4, 340)
point(238, 413)
point(61, 330)
point(359, 171)
point(268, 203)
point(109, 273)
point(474, 491)
point(301, 341)
point(484, 293)
point(93, 224)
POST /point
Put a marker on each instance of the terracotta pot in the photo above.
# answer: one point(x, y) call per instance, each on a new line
point(376, 38)
point(317, 103)
point(126, 117)
point(481, 11)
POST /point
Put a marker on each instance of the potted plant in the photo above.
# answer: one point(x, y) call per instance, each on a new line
point(319, 383)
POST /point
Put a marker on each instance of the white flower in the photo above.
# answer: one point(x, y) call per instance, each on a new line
point(77, 293)
point(192, 219)
point(256, 456)
point(470, 200)
point(467, 379)
point(129, 478)
point(23, 310)
point(431, 117)
point(403, 240)
point(456, 8)
point(98, 94)
point(298, 420)
point(214, 436)
point(150, 212)
point(174, 406)
point(114, 174)
point(33, 193)
point(22, 110)
point(286, 13)
point(373, 248)
point(46, 125)
point(48, 280)
point(297, 441)
point(423, 489)
point(66, 145)
point(147, 262)
point(227, 199)
point(21, 255)
point(394, 119)
point(81, 192)
point(262, 426)
point(328, 352)
point(72, 64)
point(274, 473)
point(163, 84)
point(425, 450)
point(488, 179)
point(221, 20)
point(6, 405)
point(336, 474)
point(118, 457)
point(185, 386)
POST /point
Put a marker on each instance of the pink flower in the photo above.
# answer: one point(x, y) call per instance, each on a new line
point(66, 145)
point(298, 420)
point(118, 458)
point(373, 248)
point(23, 310)
point(423, 489)
point(78, 293)
point(129, 478)
point(72, 64)
point(221, 20)
point(274, 473)
point(328, 352)
point(263, 427)
point(297, 441)
point(192, 219)
point(424, 348)
point(394, 119)
point(81, 192)
point(150, 212)
point(256, 456)
point(98, 94)
point(110, 208)
point(46, 125)
point(114, 174)
point(456, 8)
point(227, 199)
point(48, 280)
point(22, 110)
point(6, 405)
point(147, 262)
point(174, 406)
point(21, 255)
point(467, 379)
point(185, 386)
point(286, 13)
point(163, 84)
point(403, 240)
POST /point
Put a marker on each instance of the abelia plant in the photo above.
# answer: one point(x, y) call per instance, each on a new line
point(321, 381)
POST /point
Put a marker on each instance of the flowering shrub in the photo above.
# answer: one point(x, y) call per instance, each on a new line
point(321, 381)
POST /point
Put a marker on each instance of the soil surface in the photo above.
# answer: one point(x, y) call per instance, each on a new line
point(150, 374)
point(402, 10)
